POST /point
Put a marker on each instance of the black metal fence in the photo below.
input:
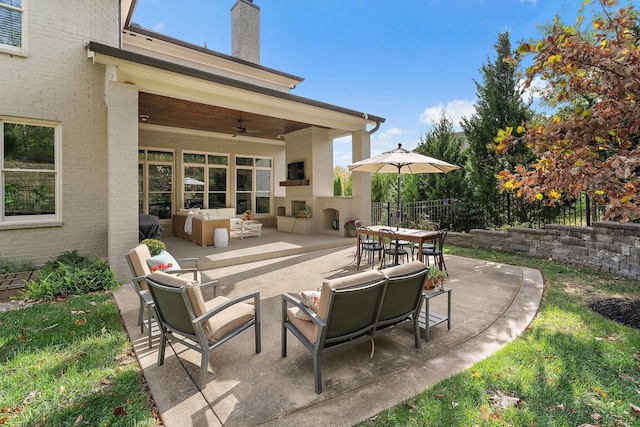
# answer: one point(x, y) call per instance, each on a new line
point(507, 210)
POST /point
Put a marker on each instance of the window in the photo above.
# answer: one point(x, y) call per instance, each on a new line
point(12, 26)
point(30, 170)
point(253, 185)
point(205, 180)
point(155, 182)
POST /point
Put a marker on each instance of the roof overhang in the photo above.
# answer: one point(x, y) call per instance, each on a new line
point(178, 82)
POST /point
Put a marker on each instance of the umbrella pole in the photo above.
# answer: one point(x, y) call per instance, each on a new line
point(398, 212)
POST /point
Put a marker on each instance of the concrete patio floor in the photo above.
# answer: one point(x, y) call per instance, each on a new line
point(491, 305)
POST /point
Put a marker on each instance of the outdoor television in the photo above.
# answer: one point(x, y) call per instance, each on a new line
point(295, 171)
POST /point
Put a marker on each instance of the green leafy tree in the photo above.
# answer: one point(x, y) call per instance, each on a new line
point(499, 105)
point(592, 145)
point(441, 142)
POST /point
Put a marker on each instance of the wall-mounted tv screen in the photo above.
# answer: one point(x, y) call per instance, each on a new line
point(295, 171)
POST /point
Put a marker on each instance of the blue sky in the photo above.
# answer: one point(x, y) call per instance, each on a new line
point(404, 60)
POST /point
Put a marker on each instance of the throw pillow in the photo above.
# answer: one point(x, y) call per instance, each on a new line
point(164, 261)
point(312, 300)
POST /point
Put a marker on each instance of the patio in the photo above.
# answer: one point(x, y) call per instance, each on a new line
point(491, 304)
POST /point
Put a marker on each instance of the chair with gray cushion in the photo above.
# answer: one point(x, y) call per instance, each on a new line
point(184, 316)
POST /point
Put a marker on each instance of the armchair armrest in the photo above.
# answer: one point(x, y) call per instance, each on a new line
point(192, 262)
point(290, 299)
point(212, 284)
point(146, 298)
point(208, 315)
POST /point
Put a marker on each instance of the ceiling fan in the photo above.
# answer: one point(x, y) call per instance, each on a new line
point(241, 130)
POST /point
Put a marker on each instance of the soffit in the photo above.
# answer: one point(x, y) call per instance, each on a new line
point(179, 113)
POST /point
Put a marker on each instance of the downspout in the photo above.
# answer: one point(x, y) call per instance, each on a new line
point(375, 128)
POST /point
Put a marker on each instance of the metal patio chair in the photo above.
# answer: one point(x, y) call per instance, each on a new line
point(184, 316)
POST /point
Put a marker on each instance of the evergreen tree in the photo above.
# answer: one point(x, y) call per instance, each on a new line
point(442, 143)
point(348, 188)
point(337, 186)
point(383, 187)
point(499, 105)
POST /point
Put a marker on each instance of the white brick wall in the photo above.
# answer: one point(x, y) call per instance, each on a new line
point(57, 82)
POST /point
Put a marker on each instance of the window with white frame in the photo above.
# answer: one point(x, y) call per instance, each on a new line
point(253, 185)
point(30, 165)
point(13, 26)
point(205, 180)
point(155, 182)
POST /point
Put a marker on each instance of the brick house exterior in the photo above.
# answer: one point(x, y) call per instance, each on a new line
point(114, 92)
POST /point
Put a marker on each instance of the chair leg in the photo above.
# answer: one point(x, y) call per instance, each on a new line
point(163, 344)
point(283, 336)
point(149, 325)
point(258, 331)
point(416, 331)
point(141, 317)
point(283, 341)
point(317, 373)
point(444, 266)
point(204, 368)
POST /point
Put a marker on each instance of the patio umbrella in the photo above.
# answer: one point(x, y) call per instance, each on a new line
point(402, 161)
point(192, 181)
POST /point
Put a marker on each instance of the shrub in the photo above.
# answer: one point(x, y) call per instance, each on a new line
point(155, 246)
point(70, 274)
point(8, 265)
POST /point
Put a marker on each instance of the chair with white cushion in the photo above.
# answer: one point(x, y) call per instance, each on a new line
point(140, 263)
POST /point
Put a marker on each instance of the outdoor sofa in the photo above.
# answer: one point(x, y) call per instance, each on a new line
point(198, 225)
point(353, 309)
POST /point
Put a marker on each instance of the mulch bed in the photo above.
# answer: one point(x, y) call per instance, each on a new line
point(622, 310)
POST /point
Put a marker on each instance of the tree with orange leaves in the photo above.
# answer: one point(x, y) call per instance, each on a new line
point(593, 144)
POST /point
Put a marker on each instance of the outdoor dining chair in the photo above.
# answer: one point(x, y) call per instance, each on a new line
point(369, 246)
point(391, 249)
point(437, 252)
point(183, 316)
point(426, 225)
point(411, 225)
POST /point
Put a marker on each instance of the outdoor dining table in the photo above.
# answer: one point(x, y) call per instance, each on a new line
point(411, 234)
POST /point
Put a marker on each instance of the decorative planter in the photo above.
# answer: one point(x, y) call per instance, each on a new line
point(430, 284)
point(351, 233)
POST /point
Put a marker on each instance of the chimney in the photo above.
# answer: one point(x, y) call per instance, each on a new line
point(245, 31)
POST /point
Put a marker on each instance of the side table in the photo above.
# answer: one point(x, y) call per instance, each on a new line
point(427, 319)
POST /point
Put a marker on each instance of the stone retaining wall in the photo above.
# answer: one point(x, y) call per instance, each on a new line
point(606, 246)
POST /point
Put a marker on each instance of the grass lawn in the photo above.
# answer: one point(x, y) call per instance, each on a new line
point(68, 363)
point(571, 367)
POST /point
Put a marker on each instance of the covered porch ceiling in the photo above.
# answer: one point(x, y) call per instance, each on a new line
point(180, 113)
